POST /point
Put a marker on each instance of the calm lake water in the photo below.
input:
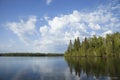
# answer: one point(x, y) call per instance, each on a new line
point(59, 68)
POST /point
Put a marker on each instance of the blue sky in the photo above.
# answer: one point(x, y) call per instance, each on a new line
point(48, 25)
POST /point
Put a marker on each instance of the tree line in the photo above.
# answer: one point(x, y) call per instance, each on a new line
point(95, 46)
point(31, 54)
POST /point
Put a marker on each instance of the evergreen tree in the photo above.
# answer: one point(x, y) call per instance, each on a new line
point(70, 47)
point(75, 44)
point(95, 46)
point(78, 43)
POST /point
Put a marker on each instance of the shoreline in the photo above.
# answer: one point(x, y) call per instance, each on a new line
point(30, 54)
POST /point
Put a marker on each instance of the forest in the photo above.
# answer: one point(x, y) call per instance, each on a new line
point(96, 46)
point(31, 54)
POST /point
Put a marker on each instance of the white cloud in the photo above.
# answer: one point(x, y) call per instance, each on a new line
point(44, 30)
point(94, 27)
point(13, 46)
point(57, 23)
point(56, 33)
point(22, 28)
point(62, 28)
point(48, 2)
point(107, 32)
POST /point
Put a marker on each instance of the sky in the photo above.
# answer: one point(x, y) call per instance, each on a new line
point(46, 26)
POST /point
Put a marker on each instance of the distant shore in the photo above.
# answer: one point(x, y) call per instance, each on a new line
point(31, 54)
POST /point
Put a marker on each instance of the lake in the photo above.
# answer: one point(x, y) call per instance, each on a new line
point(59, 68)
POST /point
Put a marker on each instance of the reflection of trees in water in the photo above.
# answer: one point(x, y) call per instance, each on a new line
point(94, 67)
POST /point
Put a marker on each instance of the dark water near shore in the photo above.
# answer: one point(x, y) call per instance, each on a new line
point(59, 68)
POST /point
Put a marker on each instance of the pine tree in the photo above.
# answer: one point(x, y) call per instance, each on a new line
point(96, 46)
point(78, 43)
point(70, 47)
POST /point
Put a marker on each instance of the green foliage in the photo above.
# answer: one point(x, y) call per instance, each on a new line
point(95, 46)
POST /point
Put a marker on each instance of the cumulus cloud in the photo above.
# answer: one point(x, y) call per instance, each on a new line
point(43, 30)
point(106, 32)
point(61, 29)
point(56, 33)
point(23, 28)
point(94, 26)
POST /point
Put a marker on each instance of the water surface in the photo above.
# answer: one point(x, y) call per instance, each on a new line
point(58, 68)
